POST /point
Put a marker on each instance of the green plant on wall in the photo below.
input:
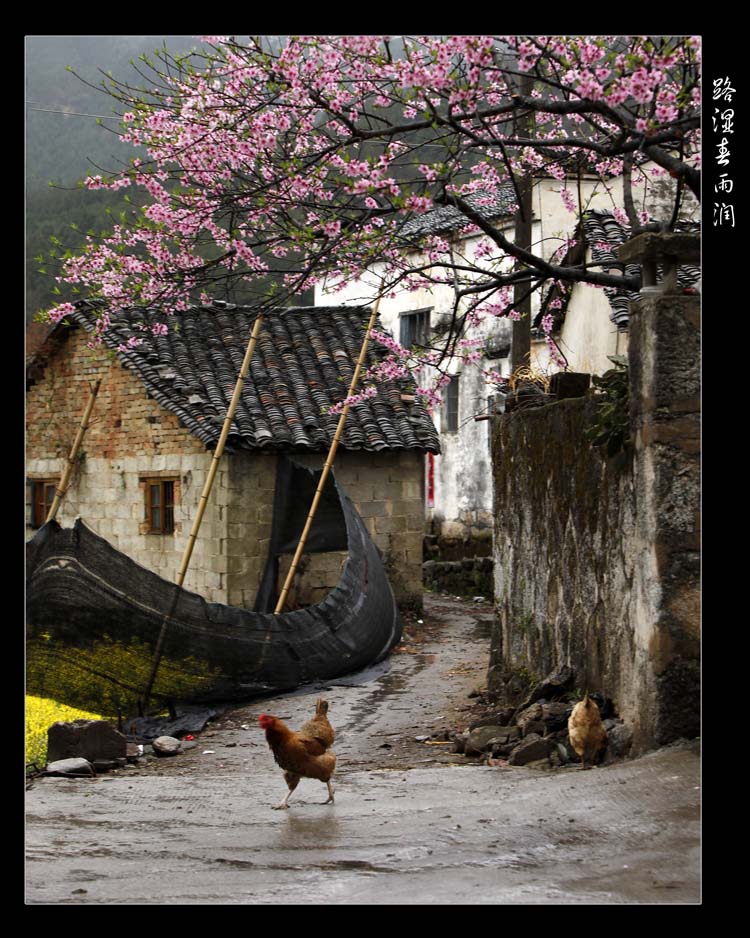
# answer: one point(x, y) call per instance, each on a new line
point(610, 429)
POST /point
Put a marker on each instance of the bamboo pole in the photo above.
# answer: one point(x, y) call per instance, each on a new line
point(65, 481)
point(218, 452)
point(208, 485)
point(328, 463)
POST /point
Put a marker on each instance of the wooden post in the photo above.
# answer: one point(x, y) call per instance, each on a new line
point(202, 503)
point(328, 463)
point(64, 482)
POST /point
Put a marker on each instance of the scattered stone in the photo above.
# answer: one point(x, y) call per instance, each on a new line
point(534, 726)
point(482, 737)
point(543, 765)
point(85, 739)
point(459, 742)
point(555, 685)
point(107, 765)
point(73, 767)
point(494, 717)
point(532, 748)
point(619, 739)
point(479, 599)
point(555, 715)
point(166, 746)
point(421, 739)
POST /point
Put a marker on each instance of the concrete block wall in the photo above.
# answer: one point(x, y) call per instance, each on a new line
point(388, 491)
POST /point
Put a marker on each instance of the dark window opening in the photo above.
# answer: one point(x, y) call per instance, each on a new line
point(414, 328)
point(160, 506)
point(450, 405)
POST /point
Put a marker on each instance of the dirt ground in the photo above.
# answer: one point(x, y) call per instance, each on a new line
point(412, 823)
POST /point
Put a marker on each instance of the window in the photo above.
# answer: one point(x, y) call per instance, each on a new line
point(42, 496)
point(414, 328)
point(450, 405)
point(160, 506)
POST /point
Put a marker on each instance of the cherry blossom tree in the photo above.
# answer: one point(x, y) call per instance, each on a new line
point(266, 164)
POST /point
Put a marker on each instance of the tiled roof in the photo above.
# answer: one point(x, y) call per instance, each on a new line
point(303, 363)
point(449, 219)
point(604, 234)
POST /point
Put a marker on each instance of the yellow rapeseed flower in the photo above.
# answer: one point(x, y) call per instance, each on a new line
point(41, 713)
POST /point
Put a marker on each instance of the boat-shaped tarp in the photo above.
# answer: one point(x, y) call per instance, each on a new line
point(94, 615)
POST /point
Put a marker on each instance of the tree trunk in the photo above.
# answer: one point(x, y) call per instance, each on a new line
point(520, 352)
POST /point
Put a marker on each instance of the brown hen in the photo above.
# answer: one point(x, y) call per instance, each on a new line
point(586, 730)
point(305, 753)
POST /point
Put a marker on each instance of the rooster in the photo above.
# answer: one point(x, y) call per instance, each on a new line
point(586, 730)
point(304, 754)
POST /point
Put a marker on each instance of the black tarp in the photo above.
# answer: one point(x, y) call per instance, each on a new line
point(93, 617)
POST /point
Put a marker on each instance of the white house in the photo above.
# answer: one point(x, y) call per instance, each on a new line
point(590, 326)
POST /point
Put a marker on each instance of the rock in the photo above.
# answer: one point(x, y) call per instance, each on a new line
point(106, 765)
point(76, 766)
point(481, 738)
point(552, 687)
point(532, 714)
point(166, 746)
point(85, 739)
point(619, 739)
point(494, 718)
point(534, 726)
point(532, 748)
point(555, 715)
point(459, 742)
point(541, 765)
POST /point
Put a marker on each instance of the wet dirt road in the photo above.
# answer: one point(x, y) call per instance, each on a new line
point(411, 824)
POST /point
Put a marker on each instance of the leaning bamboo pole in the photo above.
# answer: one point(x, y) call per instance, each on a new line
point(202, 503)
point(62, 488)
point(328, 463)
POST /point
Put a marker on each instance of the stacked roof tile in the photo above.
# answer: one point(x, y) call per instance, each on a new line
point(604, 234)
point(303, 363)
point(448, 219)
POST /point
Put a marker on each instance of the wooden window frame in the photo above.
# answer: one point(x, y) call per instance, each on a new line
point(40, 506)
point(450, 406)
point(414, 328)
point(166, 505)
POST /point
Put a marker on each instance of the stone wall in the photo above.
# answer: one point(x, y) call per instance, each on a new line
point(596, 560)
point(131, 438)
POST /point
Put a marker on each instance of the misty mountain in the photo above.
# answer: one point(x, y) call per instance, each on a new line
point(71, 133)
